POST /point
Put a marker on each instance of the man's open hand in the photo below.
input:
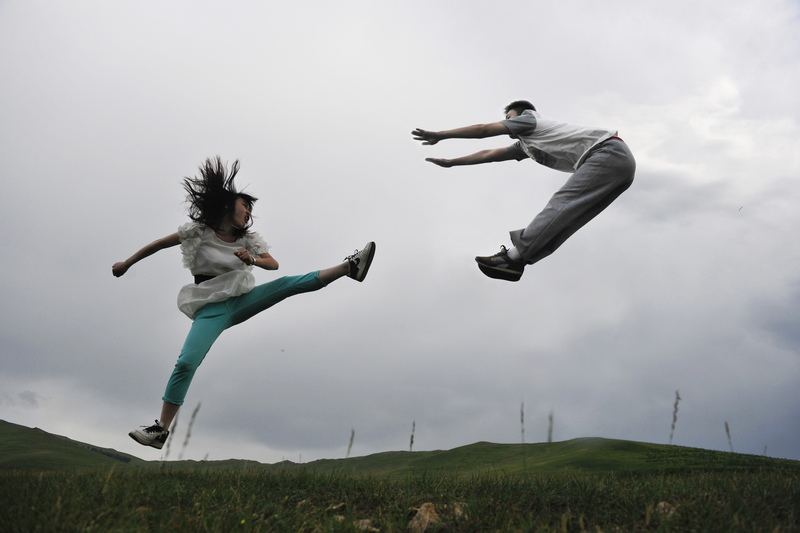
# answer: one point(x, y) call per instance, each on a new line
point(427, 137)
point(446, 163)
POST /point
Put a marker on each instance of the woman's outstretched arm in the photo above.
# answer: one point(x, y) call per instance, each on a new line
point(166, 242)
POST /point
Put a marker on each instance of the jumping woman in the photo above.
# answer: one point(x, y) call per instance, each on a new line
point(220, 251)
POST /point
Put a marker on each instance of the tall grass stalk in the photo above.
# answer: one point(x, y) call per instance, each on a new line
point(550, 427)
point(349, 446)
point(522, 420)
point(413, 427)
point(674, 415)
point(189, 431)
point(728, 433)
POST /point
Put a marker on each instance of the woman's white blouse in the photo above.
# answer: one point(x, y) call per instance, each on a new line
point(204, 253)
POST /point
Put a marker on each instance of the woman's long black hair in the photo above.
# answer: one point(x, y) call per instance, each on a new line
point(213, 195)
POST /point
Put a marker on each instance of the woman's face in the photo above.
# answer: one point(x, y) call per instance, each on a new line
point(241, 214)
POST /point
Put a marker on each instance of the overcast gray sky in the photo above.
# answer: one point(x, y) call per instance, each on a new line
point(688, 282)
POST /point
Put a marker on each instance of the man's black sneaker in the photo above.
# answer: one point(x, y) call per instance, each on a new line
point(500, 266)
point(360, 262)
point(154, 435)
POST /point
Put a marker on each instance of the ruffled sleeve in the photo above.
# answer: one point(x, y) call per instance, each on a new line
point(190, 235)
point(255, 244)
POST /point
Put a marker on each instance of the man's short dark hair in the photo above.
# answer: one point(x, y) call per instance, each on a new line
point(519, 106)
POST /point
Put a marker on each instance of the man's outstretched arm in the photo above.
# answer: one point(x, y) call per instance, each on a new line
point(484, 156)
point(478, 131)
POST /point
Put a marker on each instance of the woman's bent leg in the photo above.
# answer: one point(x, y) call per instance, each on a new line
point(211, 320)
point(168, 412)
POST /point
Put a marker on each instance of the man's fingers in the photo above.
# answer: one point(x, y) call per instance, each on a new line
point(422, 135)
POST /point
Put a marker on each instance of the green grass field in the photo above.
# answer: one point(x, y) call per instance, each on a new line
point(49, 483)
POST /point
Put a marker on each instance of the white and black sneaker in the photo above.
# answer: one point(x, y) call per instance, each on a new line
point(154, 435)
point(360, 262)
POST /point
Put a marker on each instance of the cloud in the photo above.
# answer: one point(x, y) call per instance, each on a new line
point(25, 400)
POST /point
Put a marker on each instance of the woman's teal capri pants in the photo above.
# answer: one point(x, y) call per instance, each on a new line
point(214, 318)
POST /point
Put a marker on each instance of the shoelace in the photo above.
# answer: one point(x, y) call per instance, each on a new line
point(152, 429)
point(350, 257)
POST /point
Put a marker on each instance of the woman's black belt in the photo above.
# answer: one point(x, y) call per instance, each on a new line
point(200, 278)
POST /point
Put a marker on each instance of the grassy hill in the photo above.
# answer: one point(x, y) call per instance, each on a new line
point(576, 455)
point(23, 448)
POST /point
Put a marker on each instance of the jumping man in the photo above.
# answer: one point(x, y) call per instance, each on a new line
point(601, 165)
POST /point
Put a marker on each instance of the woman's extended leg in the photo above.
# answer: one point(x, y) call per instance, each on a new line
point(329, 275)
point(268, 294)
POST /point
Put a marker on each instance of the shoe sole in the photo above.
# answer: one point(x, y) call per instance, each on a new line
point(500, 273)
point(368, 262)
point(155, 444)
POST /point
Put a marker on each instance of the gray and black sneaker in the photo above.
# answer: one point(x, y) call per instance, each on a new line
point(154, 435)
point(500, 266)
point(360, 262)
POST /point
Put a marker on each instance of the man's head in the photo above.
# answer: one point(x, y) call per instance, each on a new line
point(515, 109)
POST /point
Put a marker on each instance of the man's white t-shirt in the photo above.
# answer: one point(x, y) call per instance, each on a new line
point(555, 144)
